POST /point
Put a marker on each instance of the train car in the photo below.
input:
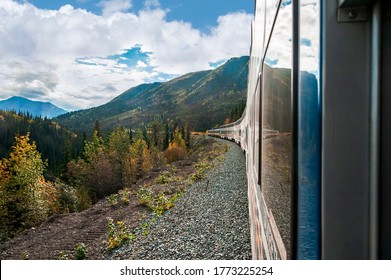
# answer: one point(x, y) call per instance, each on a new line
point(315, 129)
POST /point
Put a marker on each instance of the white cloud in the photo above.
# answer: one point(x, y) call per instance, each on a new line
point(152, 3)
point(110, 7)
point(141, 64)
point(66, 54)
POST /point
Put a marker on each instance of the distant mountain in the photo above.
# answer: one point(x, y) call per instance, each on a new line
point(35, 108)
point(201, 99)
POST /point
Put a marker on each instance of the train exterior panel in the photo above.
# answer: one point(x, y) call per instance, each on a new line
point(314, 129)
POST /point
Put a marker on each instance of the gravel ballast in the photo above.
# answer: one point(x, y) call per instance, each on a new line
point(210, 221)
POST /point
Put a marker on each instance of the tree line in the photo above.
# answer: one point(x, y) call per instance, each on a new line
point(56, 144)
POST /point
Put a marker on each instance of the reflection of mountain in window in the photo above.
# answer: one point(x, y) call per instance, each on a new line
point(277, 123)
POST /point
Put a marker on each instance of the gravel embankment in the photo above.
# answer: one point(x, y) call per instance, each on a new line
point(210, 221)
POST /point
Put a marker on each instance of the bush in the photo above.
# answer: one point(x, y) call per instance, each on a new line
point(117, 235)
point(83, 198)
point(145, 197)
point(81, 251)
point(125, 195)
point(112, 199)
point(67, 198)
point(63, 255)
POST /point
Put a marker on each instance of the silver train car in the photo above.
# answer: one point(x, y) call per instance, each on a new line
point(316, 130)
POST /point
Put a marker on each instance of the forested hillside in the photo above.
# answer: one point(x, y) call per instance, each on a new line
point(57, 145)
point(82, 171)
point(202, 99)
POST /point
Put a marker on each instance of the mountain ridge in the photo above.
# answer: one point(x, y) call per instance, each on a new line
point(202, 99)
point(35, 108)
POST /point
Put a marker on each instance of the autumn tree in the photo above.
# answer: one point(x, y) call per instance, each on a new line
point(140, 158)
point(177, 148)
point(96, 172)
point(26, 199)
point(118, 151)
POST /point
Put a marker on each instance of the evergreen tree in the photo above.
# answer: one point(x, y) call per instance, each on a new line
point(145, 135)
point(93, 147)
point(97, 129)
point(187, 136)
point(166, 137)
point(130, 135)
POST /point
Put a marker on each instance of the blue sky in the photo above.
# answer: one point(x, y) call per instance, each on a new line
point(201, 13)
point(83, 53)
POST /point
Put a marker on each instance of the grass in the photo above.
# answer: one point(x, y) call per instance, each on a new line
point(157, 203)
point(167, 177)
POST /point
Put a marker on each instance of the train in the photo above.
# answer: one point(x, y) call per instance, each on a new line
point(316, 130)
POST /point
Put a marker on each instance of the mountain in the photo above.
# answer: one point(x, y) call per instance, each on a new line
point(202, 99)
point(35, 108)
point(277, 99)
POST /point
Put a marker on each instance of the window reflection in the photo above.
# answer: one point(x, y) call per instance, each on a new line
point(309, 144)
point(277, 124)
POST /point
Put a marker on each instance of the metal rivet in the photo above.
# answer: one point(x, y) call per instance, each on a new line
point(352, 14)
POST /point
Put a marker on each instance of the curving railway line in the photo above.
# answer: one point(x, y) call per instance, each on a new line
point(317, 128)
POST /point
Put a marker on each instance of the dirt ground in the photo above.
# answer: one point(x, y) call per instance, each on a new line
point(61, 233)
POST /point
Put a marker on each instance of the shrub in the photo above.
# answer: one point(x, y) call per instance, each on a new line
point(112, 199)
point(145, 197)
point(117, 235)
point(25, 255)
point(125, 195)
point(201, 169)
point(158, 204)
point(81, 251)
point(64, 255)
point(163, 178)
point(83, 199)
point(67, 198)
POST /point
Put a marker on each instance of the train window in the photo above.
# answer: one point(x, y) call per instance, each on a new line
point(277, 127)
point(256, 129)
point(309, 130)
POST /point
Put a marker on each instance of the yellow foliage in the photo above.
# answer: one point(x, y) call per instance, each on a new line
point(26, 199)
point(48, 193)
point(140, 157)
point(176, 149)
point(24, 165)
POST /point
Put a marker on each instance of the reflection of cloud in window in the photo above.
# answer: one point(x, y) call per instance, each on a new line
point(286, 3)
point(309, 33)
point(280, 47)
point(271, 62)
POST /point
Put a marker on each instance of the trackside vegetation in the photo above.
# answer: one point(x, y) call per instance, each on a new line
point(105, 166)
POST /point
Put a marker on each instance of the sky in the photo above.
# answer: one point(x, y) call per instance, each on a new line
point(79, 54)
